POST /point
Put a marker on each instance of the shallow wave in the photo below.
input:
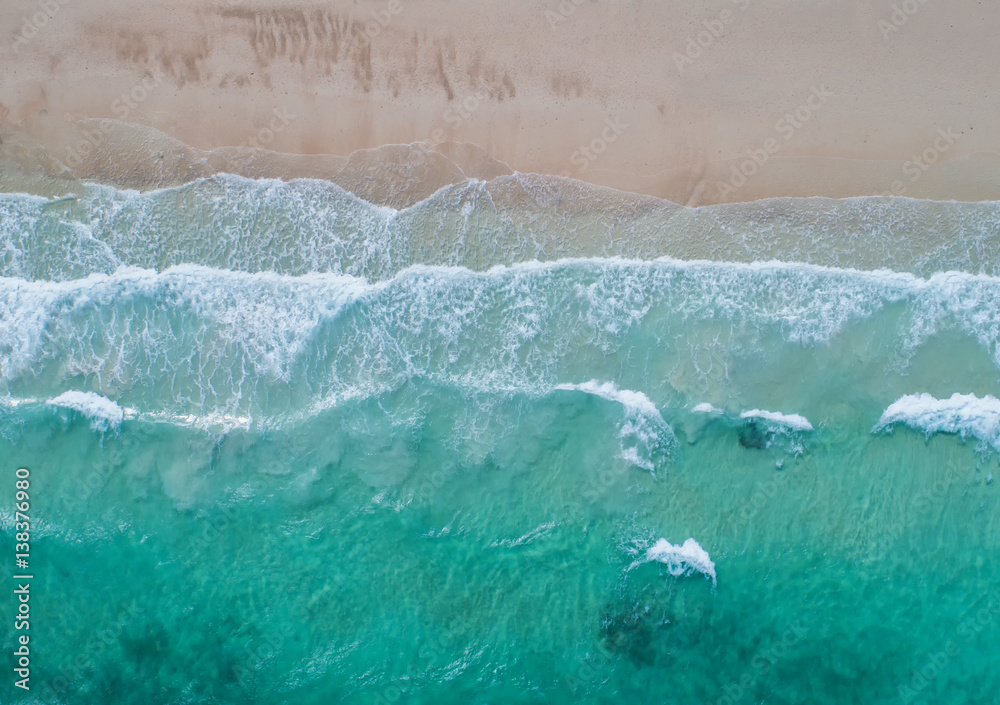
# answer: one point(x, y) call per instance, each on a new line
point(103, 413)
point(680, 560)
point(793, 422)
point(644, 435)
point(962, 414)
point(758, 428)
point(302, 226)
point(266, 315)
point(633, 401)
point(199, 341)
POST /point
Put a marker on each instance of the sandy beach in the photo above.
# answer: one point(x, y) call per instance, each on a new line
point(696, 102)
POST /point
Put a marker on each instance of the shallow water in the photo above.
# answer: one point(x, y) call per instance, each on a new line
point(286, 446)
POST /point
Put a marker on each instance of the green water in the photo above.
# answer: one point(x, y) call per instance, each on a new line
point(431, 484)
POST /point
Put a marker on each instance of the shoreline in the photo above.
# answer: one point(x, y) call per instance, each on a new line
point(316, 225)
point(135, 157)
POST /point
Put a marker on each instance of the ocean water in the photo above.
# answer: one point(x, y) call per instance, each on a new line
point(520, 442)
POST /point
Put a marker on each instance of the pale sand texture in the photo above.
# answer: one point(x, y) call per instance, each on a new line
point(302, 78)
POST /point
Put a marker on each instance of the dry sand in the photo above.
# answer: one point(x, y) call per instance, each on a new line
point(672, 99)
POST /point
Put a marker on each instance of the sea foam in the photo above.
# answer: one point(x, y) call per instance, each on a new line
point(102, 412)
point(964, 414)
point(634, 401)
point(685, 559)
point(199, 340)
point(793, 422)
point(306, 225)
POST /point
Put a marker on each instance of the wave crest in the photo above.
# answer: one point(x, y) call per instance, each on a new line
point(962, 414)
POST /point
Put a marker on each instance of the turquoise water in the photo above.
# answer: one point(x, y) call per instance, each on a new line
point(289, 447)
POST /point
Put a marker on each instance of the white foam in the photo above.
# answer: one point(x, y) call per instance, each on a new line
point(634, 401)
point(86, 402)
point(14, 402)
point(216, 422)
point(793, 422)
point(644, 433)
point(964, 414)
point(706, 408)
point(314, 225)
point(537, 532)
point(681, 560)
point(268, 316)
point(523, 323)
point(102, 412)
